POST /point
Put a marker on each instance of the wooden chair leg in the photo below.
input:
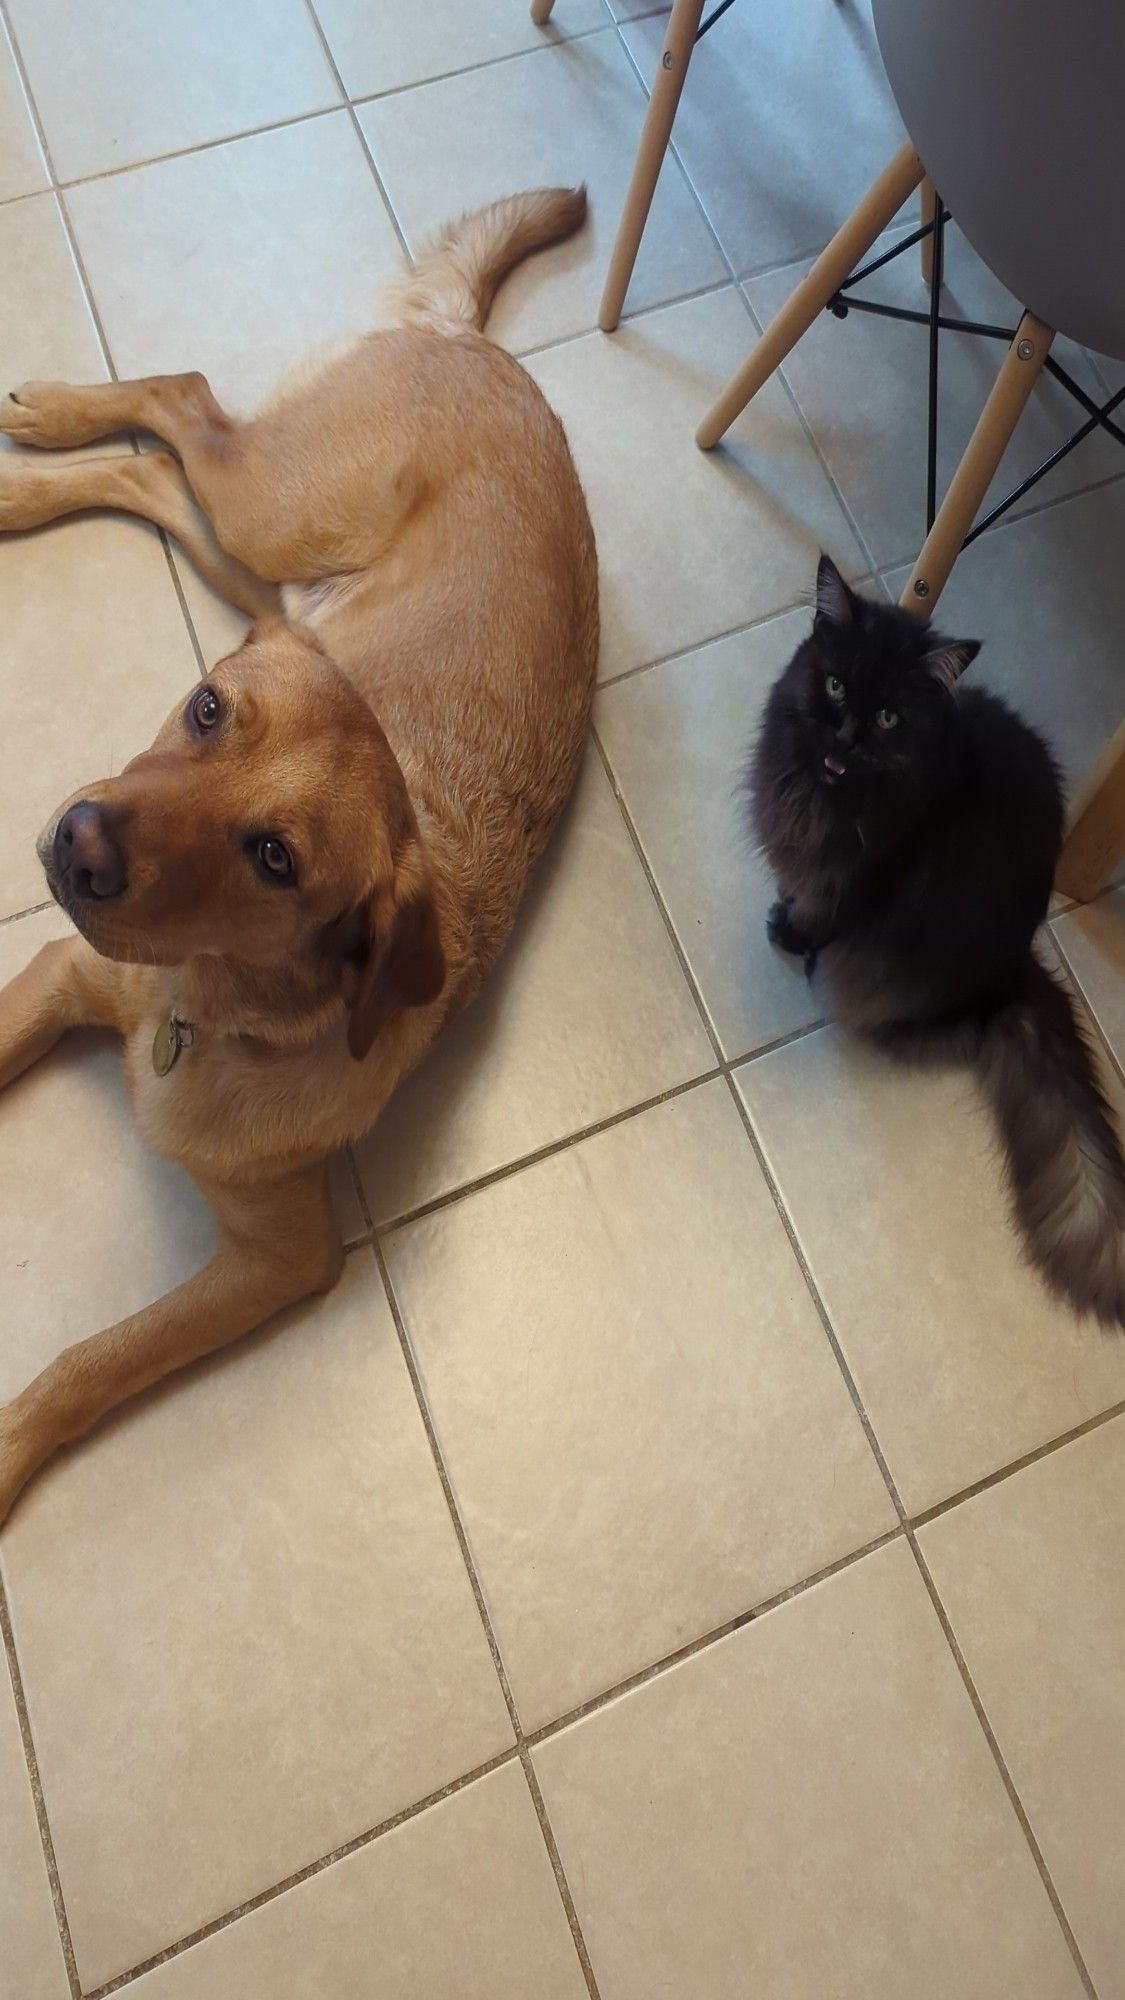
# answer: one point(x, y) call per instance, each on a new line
point(675, 57)
point(1095, 840)
point(541, 12)
point(929, 211)
point(878, 207)
point(998, 419)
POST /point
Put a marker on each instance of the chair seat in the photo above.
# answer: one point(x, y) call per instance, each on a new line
point(1015, 107)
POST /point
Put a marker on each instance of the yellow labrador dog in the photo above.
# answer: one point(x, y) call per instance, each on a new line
point(282, 902)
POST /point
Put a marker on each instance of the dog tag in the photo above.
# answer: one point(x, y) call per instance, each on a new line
point(171, 1036)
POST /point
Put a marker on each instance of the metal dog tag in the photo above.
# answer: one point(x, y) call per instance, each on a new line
point(171, 1036)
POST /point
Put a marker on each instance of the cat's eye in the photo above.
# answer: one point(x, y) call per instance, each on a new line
point(885, 718)
point(833, 687)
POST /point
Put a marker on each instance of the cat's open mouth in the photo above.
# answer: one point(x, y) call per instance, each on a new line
point(832, 771)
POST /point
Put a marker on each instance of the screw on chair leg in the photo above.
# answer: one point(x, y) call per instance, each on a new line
point(1022, 366)
point(879, 207)
point(679, 41)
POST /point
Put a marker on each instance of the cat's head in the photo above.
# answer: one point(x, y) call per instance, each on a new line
point(873, 689)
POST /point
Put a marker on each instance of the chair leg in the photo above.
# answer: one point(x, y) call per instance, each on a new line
point(675, 57)
point(1095, 840)
point(929, 210)
point(541, 12)
point(878, 207)
point(998, 419)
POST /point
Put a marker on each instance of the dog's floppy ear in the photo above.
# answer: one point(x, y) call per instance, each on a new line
point(397, 944)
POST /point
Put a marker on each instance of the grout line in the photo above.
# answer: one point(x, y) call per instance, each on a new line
point(35, 1781)
point(459, 1530)
point(689, 1651)
point(313, 1868)
point(33, 910)
point(553, 37)
point(555, 1858)
point(177, 153)
point(441, 1469)
point(629, 318)
point(1004, 1472)
point(546, 1152)
point(357, 128)
point(714, 639)
point(989, 1734)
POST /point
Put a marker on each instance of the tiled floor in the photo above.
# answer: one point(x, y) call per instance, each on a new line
point(683, 1557)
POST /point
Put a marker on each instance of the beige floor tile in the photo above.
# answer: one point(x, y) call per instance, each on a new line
point(642, 1419)
point(239, 260)
point(219, 628)
point(1047, 596)
point(80, 1249)
point(279, 1644)
point(46, 329)
point(33, 1962)
point(891, 1177)
point(122, 81)
point(22, 168)
point(678, 738)
point(691, 544)
point(1093, 941)
point(1030, 1574)
point(386, 48)
point(93, 654)
point(586, 1014)
point(806, 1808)
point(861, 384)
point(785, 121)
point(459, 1904)
point(565, 114)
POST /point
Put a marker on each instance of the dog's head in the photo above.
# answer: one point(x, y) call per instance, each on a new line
point(269, 820)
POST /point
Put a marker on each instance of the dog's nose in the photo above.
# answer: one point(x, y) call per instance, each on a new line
point(86, 858)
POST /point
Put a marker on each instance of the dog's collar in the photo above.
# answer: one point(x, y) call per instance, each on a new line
point(170, 1038)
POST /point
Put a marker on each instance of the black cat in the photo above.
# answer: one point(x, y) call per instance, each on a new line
point(914, 827)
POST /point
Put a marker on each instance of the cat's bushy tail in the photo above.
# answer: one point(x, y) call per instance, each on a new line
point(1064, 1158)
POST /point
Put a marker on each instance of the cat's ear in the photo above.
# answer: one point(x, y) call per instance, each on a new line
point(949, 658)
point(834, 602)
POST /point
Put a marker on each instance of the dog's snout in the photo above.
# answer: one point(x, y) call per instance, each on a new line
point(87, 858)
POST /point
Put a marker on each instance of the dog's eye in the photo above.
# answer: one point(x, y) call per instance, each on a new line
point(885, 718)
point(205, 709)
point(274, 857)
point(834, 687)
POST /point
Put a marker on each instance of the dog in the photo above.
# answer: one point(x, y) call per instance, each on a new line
point(282, 902)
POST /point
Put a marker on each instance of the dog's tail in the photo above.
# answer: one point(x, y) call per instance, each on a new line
point(1064, 1158)
point(451, 284)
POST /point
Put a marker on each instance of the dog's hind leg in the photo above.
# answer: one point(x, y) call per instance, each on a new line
point(153, 485)
point(263, 513)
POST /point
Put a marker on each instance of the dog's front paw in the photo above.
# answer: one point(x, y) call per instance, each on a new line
point(43, 413)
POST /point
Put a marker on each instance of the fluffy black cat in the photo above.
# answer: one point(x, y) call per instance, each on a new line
point(914, 827)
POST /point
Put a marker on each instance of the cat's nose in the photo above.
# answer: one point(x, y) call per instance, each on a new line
point(846, 732)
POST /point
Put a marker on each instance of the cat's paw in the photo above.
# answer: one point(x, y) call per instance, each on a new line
point(782, 931)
